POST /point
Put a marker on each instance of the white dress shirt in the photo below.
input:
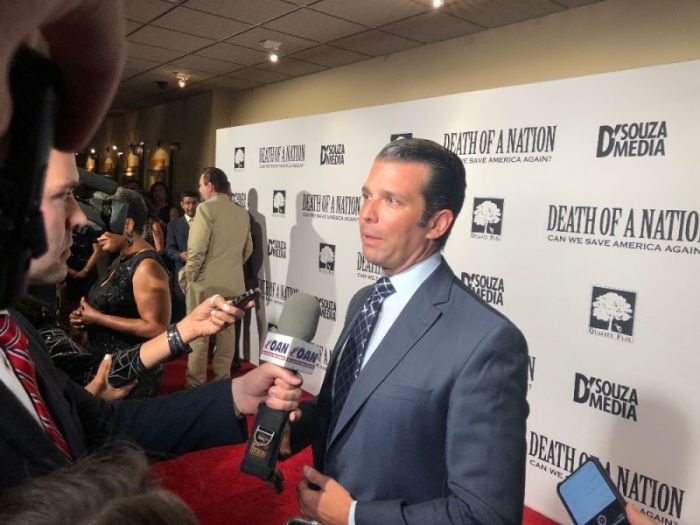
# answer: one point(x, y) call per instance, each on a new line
point(405, 283)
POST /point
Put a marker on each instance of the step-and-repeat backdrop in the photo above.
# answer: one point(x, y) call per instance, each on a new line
point(581, 224)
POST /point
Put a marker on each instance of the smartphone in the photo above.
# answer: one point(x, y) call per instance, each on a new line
point(244, 298)
point(590, 496)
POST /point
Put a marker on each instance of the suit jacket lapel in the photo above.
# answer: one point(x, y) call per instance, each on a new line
point(414, 321)
point(22, 433)
point(56, 403)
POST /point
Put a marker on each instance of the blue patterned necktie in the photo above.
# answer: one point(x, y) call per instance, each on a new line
point(350, 361)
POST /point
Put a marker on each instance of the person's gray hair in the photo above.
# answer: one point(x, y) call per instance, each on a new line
point(112, 486)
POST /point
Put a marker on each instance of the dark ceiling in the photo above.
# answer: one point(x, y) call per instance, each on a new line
point(217, 43)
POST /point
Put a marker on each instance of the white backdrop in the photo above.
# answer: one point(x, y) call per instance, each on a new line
point(580, 224)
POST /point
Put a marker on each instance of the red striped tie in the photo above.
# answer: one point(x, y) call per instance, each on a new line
point(16, 347)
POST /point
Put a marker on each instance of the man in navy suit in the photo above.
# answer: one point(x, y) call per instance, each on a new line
point(431, 428)
point(176, 247)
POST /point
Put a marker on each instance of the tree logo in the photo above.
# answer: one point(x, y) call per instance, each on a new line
point(238, 158)
point(279, 202)
point(487, 218)
point(326, 257)
point(612, 313)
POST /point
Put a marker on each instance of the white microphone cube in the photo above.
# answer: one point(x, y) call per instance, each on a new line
point(290, 352)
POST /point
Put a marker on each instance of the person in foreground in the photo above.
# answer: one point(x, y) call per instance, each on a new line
point(421, 415)
point(109, 486)
point(46, 420)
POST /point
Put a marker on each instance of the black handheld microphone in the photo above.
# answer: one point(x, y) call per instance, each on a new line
point(289, 348)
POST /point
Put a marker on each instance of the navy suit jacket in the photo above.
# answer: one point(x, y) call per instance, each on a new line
point(433, 430)
point(175, 243)
point(162, 426)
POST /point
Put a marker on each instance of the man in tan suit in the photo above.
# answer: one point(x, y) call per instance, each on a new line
point(218, 245)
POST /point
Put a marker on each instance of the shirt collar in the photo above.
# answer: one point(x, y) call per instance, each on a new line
point(407, 282)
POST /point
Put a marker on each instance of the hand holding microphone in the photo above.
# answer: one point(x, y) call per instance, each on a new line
point(289, 348)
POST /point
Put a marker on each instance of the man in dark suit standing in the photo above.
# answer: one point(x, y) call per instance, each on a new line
point(176, 247)
point(421, 415)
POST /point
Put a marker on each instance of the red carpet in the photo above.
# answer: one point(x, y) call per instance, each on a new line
point(219, 494)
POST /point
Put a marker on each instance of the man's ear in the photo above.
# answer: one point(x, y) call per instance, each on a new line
point(438, 224)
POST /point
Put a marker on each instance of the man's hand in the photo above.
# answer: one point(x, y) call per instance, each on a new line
point(100, 387)
point(278, 387)
point(183, 256)
point(329, 505)
point(637, 518)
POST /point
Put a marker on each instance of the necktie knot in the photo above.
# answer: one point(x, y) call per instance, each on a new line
point(10, 334)
point(382, 288)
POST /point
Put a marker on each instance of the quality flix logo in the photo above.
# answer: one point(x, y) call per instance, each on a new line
point(326, 257)
point(612, 313)
point(239, 159)
point(279, 203)
point(487, 218)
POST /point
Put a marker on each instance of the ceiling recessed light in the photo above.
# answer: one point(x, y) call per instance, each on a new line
point(182, 79)
point(273, 47)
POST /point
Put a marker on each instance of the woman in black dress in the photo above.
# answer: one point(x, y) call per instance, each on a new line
point(132, 304)
point(162, 202)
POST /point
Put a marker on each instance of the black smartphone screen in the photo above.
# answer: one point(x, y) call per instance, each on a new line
point(590, 498)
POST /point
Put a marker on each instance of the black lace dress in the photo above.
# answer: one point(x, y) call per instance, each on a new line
point(115, 296)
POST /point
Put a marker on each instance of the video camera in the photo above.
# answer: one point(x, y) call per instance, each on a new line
point(102, 214)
